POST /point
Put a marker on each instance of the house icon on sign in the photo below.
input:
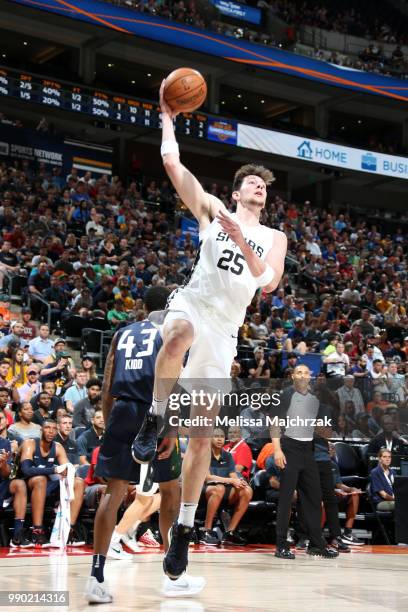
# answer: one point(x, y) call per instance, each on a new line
point(305, 150)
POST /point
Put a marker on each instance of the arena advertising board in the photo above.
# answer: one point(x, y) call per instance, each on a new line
point(321, 152)
point(221, 130)
point(142, 25)
point(238, 11)
point(33, 146)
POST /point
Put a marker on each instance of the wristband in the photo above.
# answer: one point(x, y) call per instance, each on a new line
point(169, 146)
point(266, 277)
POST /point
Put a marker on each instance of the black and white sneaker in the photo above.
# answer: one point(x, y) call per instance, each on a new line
point(176, 558)
point(74, 538)
point(20, 540)
point(284, 553)
point(339, 545)
point(232, 538)
point(351, 540)
point(209, 538)
point(40, 539)
point(325, 553)
point(144, 446)
point(301, 544)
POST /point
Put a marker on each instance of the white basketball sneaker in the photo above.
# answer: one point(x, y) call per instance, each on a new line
point(97, 592)
point(185, 586)
point(116, 552)
point(130, 542)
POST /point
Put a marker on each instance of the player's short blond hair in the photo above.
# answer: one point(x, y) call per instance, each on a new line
point(252, 170)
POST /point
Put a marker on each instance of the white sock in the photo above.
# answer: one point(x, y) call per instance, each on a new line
point(158, 407)
point(187, 514)
point(131, 532)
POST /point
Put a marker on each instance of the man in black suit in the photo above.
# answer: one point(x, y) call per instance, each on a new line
point(388, 438)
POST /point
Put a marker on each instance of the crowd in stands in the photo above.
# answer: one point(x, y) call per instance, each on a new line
point(383, 25)
point(90, 246)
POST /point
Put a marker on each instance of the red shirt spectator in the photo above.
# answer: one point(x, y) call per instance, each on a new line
point(266, 451)
point(242, 455)
point(91, 479)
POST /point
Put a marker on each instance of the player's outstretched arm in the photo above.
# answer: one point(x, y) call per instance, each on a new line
point(202, 205)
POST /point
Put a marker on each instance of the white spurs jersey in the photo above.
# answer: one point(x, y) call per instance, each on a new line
point(221, 276)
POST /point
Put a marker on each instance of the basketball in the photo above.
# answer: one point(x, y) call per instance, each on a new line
point(185, 90)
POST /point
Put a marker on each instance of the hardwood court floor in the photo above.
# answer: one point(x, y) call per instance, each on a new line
point(371, 579)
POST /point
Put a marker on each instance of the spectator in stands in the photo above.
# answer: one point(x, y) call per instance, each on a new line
point(387, 438)
point(95, 486)
point(84, 410)
point(104, 295)
point(116, 315)
point(40, 348)
point(25, 427)
point(361, 432)
point(223, 483)
point(337, 362)
point(64, 426)
point(34, 454)
point(91, 438)
point(58, 371)
point(258, 330)
point(266, 451)
point(56, 297)
point(43, 411)
point(259, 368)
point(76, 392)
point(88, 366)
point(15, 488)
point(32, 387)
point(56, 401)
point(17, 374)
point(240, 451)
point(29, 329)
point(394, 380)
point(348, 393)
point(256, 432)
point(382, 482)
point(38, 282)
point(15, 335)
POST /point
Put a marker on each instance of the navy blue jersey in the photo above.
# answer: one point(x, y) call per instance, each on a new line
point(135, 359)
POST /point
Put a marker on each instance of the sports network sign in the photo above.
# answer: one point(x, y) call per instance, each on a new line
point(321, 152)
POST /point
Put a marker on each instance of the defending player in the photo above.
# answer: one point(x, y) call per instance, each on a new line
point(237, 255)
point(126, 396)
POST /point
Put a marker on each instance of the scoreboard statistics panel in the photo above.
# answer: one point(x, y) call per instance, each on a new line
point(94, 102)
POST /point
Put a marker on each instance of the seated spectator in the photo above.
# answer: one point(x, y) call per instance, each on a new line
point(88, 366)
point(378, 402)
point(266, 451)
point(259, 367)
point(257, 330)
point(348, 498)
point(117, 313)
point(58, 371)
point(15, 488)
point(56, 401)
point(40, 459)
point(6, 405)
point(224, 484)
point(91, 438)
point(38, 282)
point(103, 296)
point(382, 482)
point(15, 335)
point(348, 393)
point(5, 311)
point(8, 261)
point(341, 428)
point(240, 451)
point(76, 392)
point(25, 427)
point(4, 433)
point(387, 438)
point(43, 411)
point(394, 379)
point(256, 433)
point(85, 409)
point(337, 362)
point(361, 431)
point(17, 374)
point(64, 426)
point(279, 341)
point(41, 347)
point(32, 387)
point(29, 329)
point(56, 297)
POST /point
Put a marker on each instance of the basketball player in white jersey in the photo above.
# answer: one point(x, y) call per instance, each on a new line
point(237, 255)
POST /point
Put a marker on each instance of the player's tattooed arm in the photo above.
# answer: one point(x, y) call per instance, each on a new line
point(107, 398)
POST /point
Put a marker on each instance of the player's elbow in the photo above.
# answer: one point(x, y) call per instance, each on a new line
point(171, 164)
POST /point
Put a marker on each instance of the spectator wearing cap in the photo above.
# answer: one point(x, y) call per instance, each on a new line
point(117, 314)
point(88, 366)
point(58, 371)
point(29, 329)
point(15, 335)
point(349, 393)
point(41, 347)
point(32, 387)
point(85, 409)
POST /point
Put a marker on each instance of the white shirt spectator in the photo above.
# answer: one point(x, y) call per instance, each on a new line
point(27, 391)
point(337, 365)
point(99, 229)
point(40, 348)
point(350, 394)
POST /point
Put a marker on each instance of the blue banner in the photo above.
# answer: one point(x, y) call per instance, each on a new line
point(222, 131)
point(238, 11)
point(142, 25)
point(190, 226)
